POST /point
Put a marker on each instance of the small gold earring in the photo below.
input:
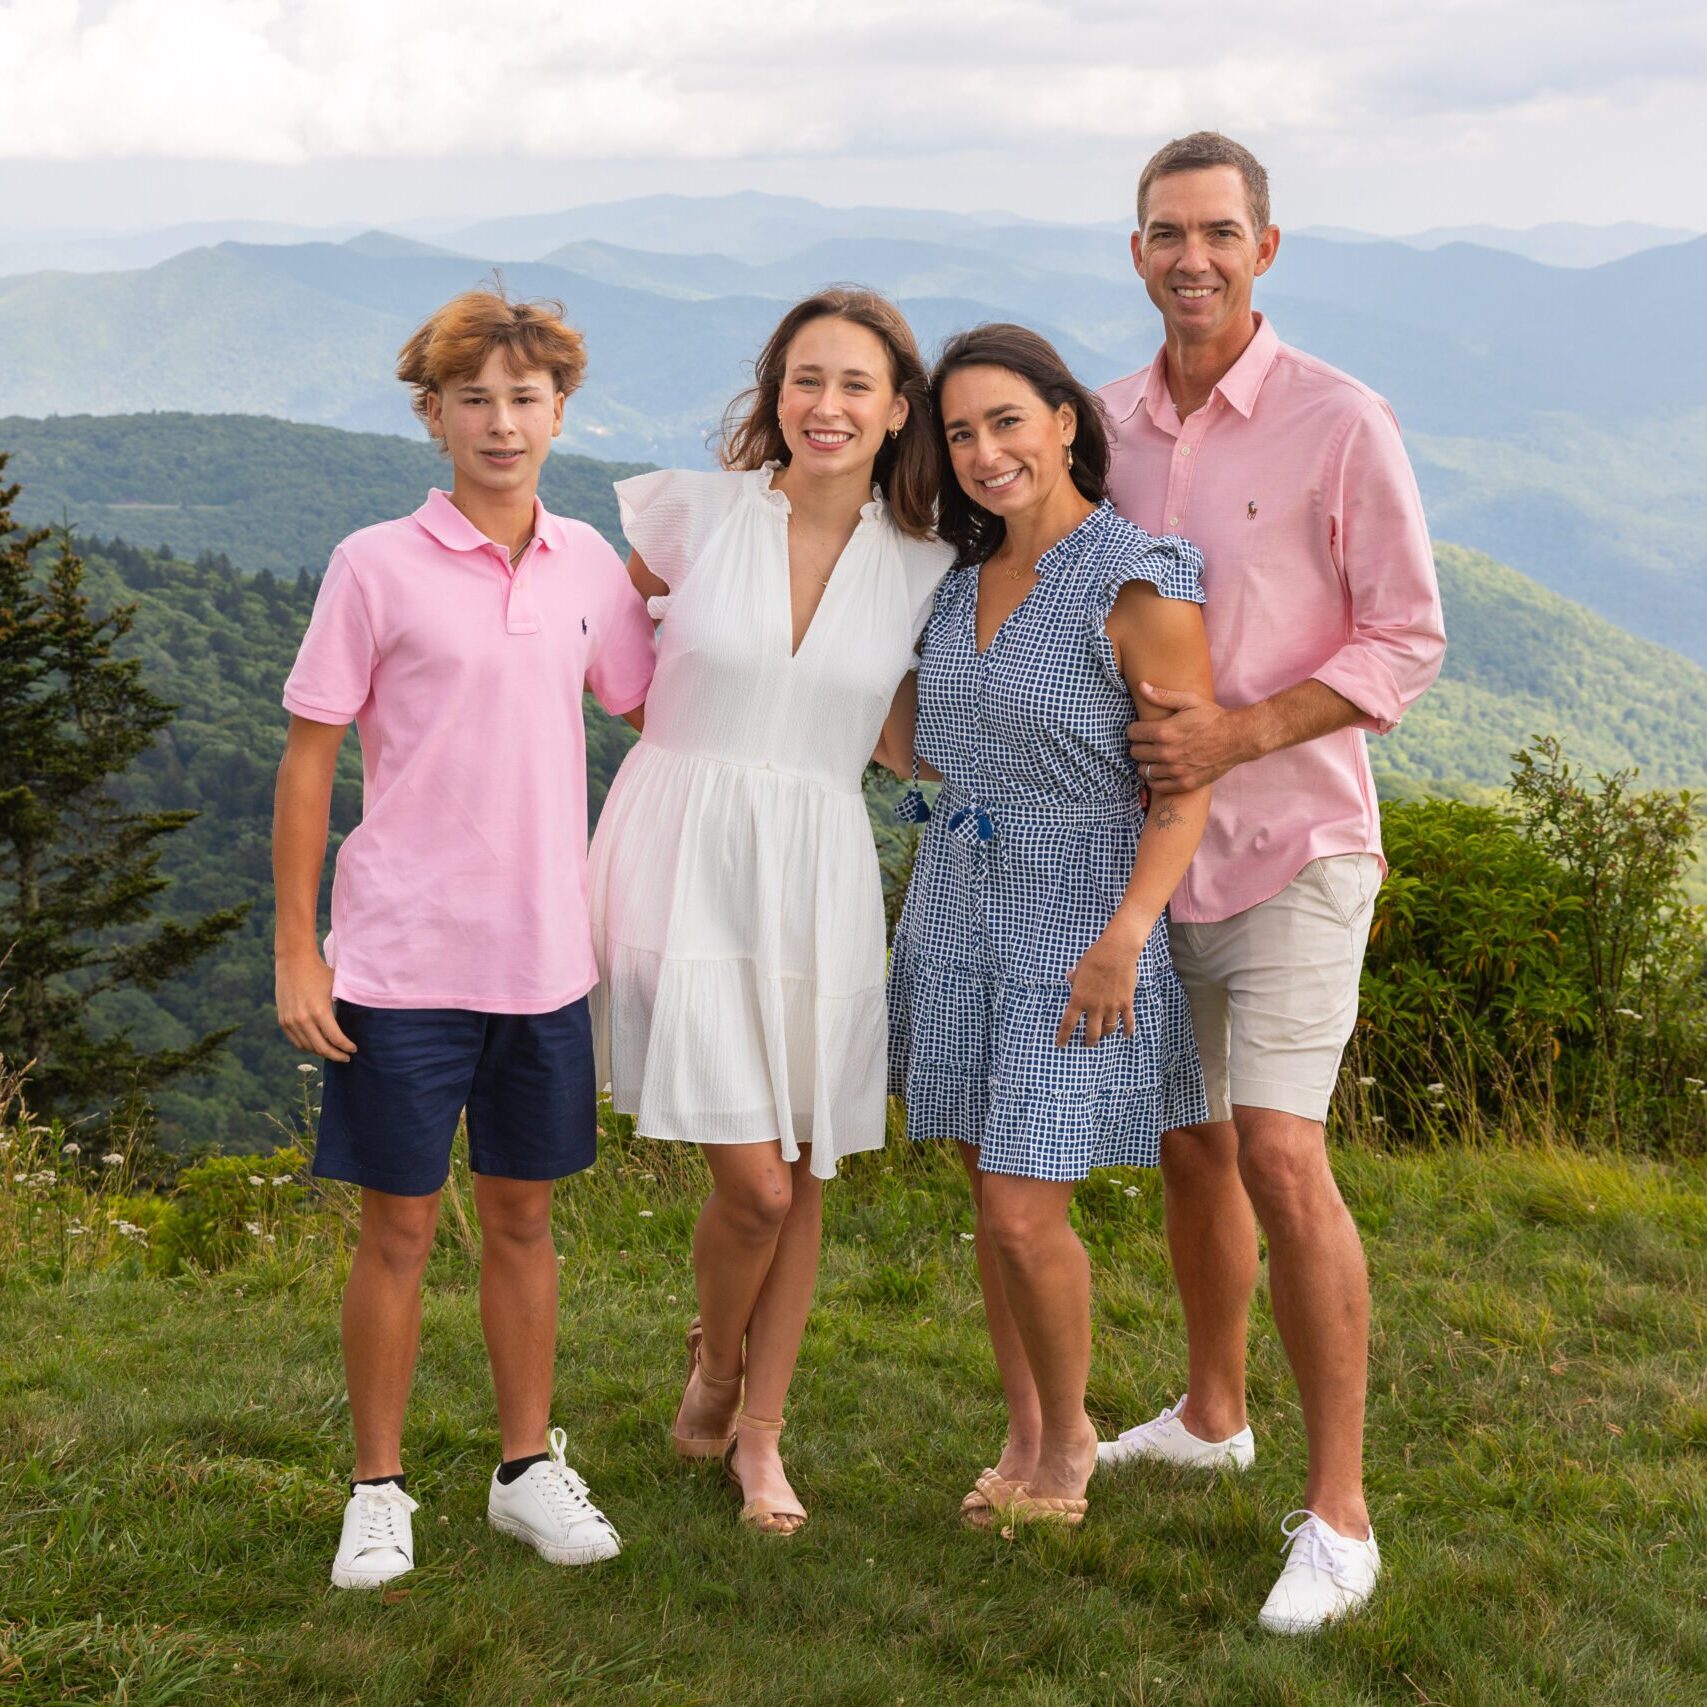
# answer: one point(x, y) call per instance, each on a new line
point(1069, 456)
point(894, 432)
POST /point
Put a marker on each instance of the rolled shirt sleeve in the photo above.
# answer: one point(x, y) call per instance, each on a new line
point(1380, 545)
point(333, 674)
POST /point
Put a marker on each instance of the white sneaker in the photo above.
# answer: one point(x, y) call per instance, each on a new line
point(1326, 1575)
point(1168, 1439)
point(377, 1542)
point(548, 1507)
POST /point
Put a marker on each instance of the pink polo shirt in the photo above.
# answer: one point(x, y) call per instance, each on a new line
point(1293, 482)
point(465, 883)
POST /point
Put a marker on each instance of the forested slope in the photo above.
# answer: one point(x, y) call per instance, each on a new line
point(220, 643)
point(268, 494)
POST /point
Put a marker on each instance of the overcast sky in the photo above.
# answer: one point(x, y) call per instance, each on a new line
point(1383, 115)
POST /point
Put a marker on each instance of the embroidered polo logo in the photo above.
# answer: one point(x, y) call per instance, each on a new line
point(1251, 510)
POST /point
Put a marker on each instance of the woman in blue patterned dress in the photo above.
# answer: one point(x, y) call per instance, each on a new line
point(1035, 1017)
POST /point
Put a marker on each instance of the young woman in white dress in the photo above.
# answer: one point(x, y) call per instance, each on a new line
point(734, 888)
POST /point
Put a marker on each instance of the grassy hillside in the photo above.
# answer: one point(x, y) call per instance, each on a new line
point(172, 1457)
point(1614, 517)
point(1520, 660)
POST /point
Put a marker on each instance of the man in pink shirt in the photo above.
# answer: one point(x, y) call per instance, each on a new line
point(459, 640)
point(1324, 622)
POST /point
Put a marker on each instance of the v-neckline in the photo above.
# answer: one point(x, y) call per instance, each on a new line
point(983, 652)
point(823, 597)
point(779, 504)
point(996, 634)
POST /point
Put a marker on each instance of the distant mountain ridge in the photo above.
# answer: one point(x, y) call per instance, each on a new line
point(1562, 243)
point(1549, 421)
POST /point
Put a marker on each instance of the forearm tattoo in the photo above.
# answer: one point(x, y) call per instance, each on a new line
point(1164, 814)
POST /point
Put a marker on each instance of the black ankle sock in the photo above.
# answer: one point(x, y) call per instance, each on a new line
point(514, 1467)
point(401, 1479)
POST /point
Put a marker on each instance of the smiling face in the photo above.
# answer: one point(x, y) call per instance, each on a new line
point(1199, 254)
point(1008, 446)
point(497, 426)
point(838, 398)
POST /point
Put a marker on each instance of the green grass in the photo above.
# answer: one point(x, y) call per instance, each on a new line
point(173, 1454)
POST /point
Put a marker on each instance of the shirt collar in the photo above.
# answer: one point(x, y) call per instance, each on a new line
point(1239, 385)
point(455, 532)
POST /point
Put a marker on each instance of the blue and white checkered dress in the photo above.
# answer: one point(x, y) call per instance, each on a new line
point(1027, 853)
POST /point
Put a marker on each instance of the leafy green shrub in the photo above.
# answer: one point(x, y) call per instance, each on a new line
point(1641, 946)
point(1537, 964)
point(1470, 983)
point(221, 1208)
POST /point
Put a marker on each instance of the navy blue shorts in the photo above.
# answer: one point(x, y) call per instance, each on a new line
point(388, 1114)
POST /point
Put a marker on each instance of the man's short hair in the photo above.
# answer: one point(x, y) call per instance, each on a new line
point(1195, 153)
point(453, 343)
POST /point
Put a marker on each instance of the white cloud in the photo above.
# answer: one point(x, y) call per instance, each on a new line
point(290, 81)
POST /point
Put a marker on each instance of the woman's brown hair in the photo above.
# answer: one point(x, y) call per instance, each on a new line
point(455, 341)
point(906, 467)
point(973, 531)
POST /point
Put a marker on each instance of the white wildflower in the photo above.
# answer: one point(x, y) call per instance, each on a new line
point(1436, 1089)
point(253, 1227)
point(1132, 1191)
point(1379, 1119)
point(966, 1238)
point(20, 1179)
point(1366, 1080)
point(645, 1214)
point(5, 1145)
point(1694, 1084)
point(113, 1159)
point(46, 1177)
point(71, 1149)
point(281, 1179)
point(305, 1066)
point(255, 1179)
point(1627, 1013)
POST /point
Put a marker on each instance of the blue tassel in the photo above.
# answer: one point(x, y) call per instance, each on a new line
point(980, 820)
point(912, 808)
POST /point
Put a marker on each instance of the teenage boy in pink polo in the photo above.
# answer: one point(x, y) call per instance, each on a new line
point(459, 640)
point(1324, 622)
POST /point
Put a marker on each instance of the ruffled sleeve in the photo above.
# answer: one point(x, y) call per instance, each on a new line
point(668, 516)
point(1173, 566)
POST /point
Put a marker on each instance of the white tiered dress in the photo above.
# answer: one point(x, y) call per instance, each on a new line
point(734, 892)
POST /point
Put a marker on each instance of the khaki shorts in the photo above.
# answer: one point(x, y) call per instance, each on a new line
point(1273, 990)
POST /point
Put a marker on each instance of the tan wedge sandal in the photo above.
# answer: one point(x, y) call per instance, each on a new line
point(761, 1514)
point(1029, 1508)
point(704, 1446)
point(991, 1496)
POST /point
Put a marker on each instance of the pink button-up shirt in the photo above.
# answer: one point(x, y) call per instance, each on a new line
point(465, 883)
point(1293, 482)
